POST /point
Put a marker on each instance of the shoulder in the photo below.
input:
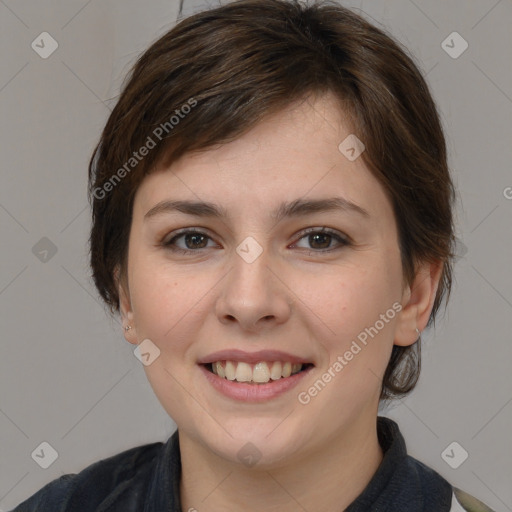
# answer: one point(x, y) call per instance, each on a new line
point(461, 501)
point(99, 483)
point(406, 483)
point(434, 485)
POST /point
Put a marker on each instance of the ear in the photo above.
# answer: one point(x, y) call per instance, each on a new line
point(125, 307)
point(417, 302)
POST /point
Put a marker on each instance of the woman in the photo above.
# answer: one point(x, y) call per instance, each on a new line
point(272, 220)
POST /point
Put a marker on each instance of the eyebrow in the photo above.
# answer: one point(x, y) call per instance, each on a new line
point(296, 208)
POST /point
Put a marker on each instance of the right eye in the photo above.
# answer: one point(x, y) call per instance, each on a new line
point(193, 240)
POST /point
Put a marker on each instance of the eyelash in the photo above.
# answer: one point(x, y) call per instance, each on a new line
point(325, 231)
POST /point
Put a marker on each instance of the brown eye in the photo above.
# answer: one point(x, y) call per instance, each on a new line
point(321, 240)
point(192, 240)
point(195, 240)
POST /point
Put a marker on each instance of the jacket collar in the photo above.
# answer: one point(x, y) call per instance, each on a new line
point(164, 490)
point(400, 483)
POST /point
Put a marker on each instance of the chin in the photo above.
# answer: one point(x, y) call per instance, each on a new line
point(262, 447)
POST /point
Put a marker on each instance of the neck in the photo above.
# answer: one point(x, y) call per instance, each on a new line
point(325, 479)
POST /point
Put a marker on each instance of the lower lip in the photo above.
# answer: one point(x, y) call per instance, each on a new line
point(253, 392)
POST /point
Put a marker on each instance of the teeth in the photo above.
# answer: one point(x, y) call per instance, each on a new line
point(230, 370)
point(243, 372)
point(275, 371)
point(296, 367)
point(261, 373)
point(218, 369)
point(287, 369)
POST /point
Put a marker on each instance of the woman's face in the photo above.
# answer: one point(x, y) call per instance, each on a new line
point(254, 280)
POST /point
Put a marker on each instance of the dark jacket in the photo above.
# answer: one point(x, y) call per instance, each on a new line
point(147, 479)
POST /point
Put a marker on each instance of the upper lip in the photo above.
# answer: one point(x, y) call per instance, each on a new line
point(252, 357)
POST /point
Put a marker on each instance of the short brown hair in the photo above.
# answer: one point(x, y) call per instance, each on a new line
point(235, 64)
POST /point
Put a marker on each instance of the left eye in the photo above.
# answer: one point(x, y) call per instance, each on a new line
point(321, 239)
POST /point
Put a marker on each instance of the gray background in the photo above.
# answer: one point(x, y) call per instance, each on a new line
point(67, 375)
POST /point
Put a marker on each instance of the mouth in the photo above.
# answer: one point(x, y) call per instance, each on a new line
point(254, 377)
point(259, 373)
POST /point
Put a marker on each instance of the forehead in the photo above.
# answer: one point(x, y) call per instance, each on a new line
point(294, 153)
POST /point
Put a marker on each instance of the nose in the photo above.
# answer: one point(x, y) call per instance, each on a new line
point(253, 294)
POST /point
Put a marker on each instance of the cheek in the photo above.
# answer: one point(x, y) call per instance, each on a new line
point(348, 299)
point(358, 344)
point(158, 298)
point(357, 315)
point(168, 304)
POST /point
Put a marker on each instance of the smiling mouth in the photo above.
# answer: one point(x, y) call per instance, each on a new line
point(260, 373)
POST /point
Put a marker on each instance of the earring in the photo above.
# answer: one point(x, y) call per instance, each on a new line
point(418, 333)
point(128, 327)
